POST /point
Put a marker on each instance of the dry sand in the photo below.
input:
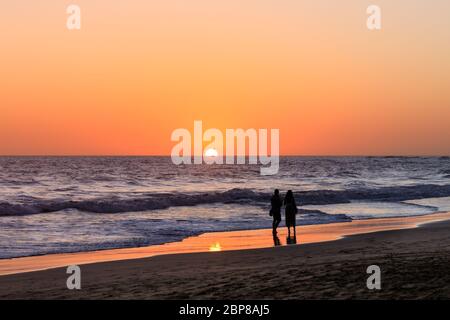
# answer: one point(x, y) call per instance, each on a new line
point(415, 264)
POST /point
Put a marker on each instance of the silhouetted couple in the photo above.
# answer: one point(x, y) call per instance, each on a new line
point(290, 209)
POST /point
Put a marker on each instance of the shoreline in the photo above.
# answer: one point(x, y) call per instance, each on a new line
point(219, 241)
point(413, 261)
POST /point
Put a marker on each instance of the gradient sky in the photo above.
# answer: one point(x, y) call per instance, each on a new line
point(139, 69)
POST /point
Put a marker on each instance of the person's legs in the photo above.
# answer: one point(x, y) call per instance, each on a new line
point(276, 222)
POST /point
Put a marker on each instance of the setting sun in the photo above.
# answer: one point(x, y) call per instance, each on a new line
point(211, 153)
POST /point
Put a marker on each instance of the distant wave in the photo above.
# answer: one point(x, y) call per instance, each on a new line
point(155, 201)
point(397, 193)
point(152, 201)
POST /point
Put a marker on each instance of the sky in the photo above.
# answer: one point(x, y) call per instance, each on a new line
point(139, 69)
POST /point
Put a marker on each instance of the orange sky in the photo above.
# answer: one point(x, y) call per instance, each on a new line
point(137, 70)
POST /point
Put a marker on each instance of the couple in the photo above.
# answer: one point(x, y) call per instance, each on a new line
point(290, 210)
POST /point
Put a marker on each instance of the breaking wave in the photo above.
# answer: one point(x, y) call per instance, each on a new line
point(156, 201)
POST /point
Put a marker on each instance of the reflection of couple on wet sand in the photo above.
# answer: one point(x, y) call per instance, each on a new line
point(290, 211)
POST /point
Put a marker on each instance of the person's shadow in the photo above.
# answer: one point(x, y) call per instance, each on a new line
point(276, 241)
point(291, 240)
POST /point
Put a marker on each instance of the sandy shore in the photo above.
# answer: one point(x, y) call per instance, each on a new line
point(414, 263)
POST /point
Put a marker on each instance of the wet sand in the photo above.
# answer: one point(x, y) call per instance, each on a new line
point(414, 262)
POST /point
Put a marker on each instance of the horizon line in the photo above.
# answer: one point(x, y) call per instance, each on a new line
point(281, 155)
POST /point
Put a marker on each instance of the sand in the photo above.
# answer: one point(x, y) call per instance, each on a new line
point(415, 264)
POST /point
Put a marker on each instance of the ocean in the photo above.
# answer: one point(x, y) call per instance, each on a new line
point(71, 204)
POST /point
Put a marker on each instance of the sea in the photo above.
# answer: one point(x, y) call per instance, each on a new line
point(71, 204)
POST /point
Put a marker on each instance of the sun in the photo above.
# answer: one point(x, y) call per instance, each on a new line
point(211, 153)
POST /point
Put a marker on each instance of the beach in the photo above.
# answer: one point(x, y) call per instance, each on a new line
point(412, 253)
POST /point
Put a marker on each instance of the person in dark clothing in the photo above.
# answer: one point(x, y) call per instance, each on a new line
point(291, 211)
point(275, 210)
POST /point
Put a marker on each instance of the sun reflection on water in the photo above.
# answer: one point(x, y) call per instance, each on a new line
point(215, 247)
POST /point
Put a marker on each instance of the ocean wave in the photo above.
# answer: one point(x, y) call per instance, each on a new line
point(396, 193)
point(156, 201)
point(152, 201)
